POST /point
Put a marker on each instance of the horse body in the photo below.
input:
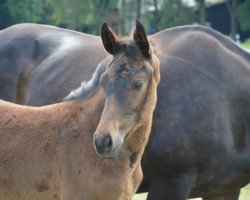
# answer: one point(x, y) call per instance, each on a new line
point(30, 52)
point(199, 144)
point(200, 140)
point(48, 152)
point(36, 144)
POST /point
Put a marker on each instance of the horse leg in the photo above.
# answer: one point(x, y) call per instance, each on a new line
point(228, 196)
point(175, 189)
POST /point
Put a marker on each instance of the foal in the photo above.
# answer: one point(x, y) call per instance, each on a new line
point(48, 153)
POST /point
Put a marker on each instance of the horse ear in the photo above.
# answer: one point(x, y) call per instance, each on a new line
point(110, 41)
point(140, 38)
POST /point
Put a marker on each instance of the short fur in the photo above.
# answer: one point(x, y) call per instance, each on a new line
point(200, 140)
point(47, 152)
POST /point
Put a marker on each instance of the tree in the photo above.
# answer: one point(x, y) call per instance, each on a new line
point(174, 13)
point(243, 13)
point(73, 13)
point(138, 9)
point(201, 11)
point(25, 10)
point(12, 12)
point(84, 15)
point(4, 14)
point(232, 7)
point(156, 16)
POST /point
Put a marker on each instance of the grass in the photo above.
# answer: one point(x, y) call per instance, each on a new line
point(246, 44)
point(244, 195)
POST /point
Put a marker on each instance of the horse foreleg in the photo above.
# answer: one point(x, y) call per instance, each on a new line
point(174, 189)
point(234, 195)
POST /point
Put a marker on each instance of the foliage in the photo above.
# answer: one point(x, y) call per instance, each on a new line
point(72, 12)
point(246, 45)
point(87, 15)
point(25, 10)
point(4, 14)
point(175, 13)
point(78, 14)
point(12, 11)
point(243, 14)
point(170, 13)
point(75, 14)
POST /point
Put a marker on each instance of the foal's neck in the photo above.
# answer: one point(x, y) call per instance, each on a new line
point(135, 143)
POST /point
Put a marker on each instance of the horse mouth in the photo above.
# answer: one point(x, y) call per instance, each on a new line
point(108, 155)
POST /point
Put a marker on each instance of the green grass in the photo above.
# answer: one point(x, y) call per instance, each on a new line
point(246, 44)
point(244, 195)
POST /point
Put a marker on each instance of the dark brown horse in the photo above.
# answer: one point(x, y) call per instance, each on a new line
point(200, 140)
point(48, 153)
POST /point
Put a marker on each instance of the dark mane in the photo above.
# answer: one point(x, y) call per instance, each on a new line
point(87, 87)
point(132, 53)
point(131, 50)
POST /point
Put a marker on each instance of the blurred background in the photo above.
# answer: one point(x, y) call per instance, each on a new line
point(230, 17)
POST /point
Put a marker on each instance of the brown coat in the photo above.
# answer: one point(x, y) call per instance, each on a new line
point(48, 153)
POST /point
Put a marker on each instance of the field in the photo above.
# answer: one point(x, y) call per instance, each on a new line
point(244, 195)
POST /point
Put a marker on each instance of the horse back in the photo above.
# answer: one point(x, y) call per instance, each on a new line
point(202, 113)
point(33, 56)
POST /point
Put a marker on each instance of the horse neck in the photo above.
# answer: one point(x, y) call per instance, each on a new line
point(84, 114)
point(138, 139)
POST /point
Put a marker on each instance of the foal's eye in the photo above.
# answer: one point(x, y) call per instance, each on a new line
point(138, 85)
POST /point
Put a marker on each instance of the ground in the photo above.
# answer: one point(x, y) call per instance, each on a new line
point(244, 195)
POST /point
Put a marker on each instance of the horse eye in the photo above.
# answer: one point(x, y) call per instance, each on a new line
point(138, 85)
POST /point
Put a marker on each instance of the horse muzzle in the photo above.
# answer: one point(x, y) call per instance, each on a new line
point(106, 146)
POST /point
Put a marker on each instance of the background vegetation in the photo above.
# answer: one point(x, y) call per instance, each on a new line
point(88, 15)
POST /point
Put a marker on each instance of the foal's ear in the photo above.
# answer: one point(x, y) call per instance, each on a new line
point(110, 41)
point(140, 38)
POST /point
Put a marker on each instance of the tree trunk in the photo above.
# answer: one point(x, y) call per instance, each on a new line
point(202, 11)
point(156, 17)
point(232, 6)
point(138, 9)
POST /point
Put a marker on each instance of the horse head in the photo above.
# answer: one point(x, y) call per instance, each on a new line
point(129, 82)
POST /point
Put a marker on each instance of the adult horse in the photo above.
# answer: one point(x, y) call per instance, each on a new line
point(48, 152)
point(200, 140)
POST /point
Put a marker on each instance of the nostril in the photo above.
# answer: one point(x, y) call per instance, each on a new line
point(103, 145)
point(107, 142)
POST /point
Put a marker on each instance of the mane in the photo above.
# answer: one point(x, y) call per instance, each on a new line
point(131, 50)
point(87, 87)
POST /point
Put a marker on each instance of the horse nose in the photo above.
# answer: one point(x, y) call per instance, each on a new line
point(103, 144)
